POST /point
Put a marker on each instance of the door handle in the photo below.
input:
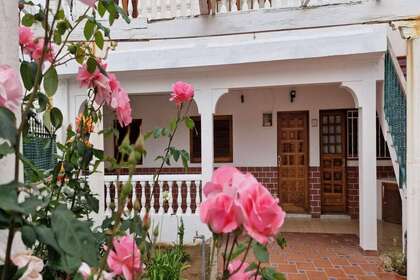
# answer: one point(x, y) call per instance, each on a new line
point(279, 160)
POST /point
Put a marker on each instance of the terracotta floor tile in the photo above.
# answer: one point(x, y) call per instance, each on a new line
point(368, 278)
point(316, 275)
point(297, 276)
point(339, 261)
point(371, 267)
point(286, 268)
point(322, 263)
point(305, 266)
point(353, 270)
point(386, 276)
point(332, 272)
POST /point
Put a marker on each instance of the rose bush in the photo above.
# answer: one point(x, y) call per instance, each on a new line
point(237, 204)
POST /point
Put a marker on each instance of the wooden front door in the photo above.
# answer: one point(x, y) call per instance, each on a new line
point(333, 161)
point(292, 160)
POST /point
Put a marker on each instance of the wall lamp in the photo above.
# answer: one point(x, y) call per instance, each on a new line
point(292, 95)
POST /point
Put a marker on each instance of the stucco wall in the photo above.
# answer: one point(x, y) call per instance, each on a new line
point(253, 144)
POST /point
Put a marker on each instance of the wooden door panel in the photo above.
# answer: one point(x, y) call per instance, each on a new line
point(333, 161)
point(292, 154)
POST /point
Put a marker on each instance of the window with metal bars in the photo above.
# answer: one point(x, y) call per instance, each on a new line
point(382, 151)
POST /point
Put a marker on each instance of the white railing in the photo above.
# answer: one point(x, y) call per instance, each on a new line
point(172, 194)
point(231, 6)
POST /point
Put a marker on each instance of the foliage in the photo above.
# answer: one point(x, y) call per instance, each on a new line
point(395, 261)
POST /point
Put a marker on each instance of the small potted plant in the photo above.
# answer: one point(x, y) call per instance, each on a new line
point(396, 262)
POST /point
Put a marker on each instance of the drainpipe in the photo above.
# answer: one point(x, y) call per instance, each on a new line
point(203, 253)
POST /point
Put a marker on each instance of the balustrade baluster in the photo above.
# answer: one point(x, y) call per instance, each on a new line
point(255, 5)
point(267, 4)
point(188, 198)
point(170, 198)
point(161, 210)
point(158, 9)
point(178, 9)
point(245, 6)
point(135, 6)
point(197, 197)
point(233, 6)
point(143, 199)
point(188, 8)
point(168, 9)
point(179, 198)
point(148, 9)
point(222, 7)
point(130, 200)
point(152, 198)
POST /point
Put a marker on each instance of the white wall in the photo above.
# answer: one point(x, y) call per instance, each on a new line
point(253, 144)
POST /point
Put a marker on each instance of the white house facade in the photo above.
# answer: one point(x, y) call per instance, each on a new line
point(302, 108)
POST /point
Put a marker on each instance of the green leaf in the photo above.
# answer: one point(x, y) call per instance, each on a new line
point(189, 123)
point(238, 250)
point(281, 241)
point(269, 273)
point(5, 149)
point(101, 9)
point(8, 197)
point(157, 132)
point(99, 39)
point(7, 125)
point(175, 153)
point(27, 72)
point(28, 20)
point(28, 236)
point(185, 156)
point(60, 15)
point(91, 64)
point(51, 81)
point(123, 14)
point(74, 236)
point(46, 236)
point(56, 117)
point(93, 202)
point(89, 29)
point(57, 37)
point(260, 252)
point(42, 102)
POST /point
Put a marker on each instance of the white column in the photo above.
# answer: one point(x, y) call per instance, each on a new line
point(61, 101)
point(206, 102)
point(9, 55)
point(413, 156)
point(365, 92)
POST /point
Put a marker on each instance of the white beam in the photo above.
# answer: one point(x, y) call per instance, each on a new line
point(413, 153)
point(206, 101)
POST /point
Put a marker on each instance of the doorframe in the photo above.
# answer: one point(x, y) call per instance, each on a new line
point(345, 186)
point(307, 152)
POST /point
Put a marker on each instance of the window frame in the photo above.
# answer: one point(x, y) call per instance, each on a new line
point(221, 159)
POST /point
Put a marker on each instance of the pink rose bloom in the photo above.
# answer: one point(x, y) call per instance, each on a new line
point(26, 39)
point(95, 80)
point(220, 213)
point(221, 181)
point(123, 111)
point(33, 265)
point(37, 51)
point(11, 93)
point(262, 216)
point(86, 272)
point(125, 259)
point(181, 92)
point(90, 3)
point(241, 274)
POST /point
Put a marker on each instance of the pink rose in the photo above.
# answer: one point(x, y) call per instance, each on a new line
point(123, 110)
point(38, 48)
point(26, 39)
point(95, 80)
point(90, 3)
point(33, 265)
point(220, 213)
point(86, 272)
point(11, 93)
point(125, 259)
point(221, 181)
point(262, 216)
point(241, 274)
point(181, 92)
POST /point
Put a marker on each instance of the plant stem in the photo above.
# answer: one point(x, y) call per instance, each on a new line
point(8, 249)
point(243, 258)
point(258, 270)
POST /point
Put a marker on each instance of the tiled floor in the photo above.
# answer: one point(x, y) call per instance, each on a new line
point(328, 249)
point(317, 256)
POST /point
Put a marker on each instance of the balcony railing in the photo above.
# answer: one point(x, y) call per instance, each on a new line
point(172, 194)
